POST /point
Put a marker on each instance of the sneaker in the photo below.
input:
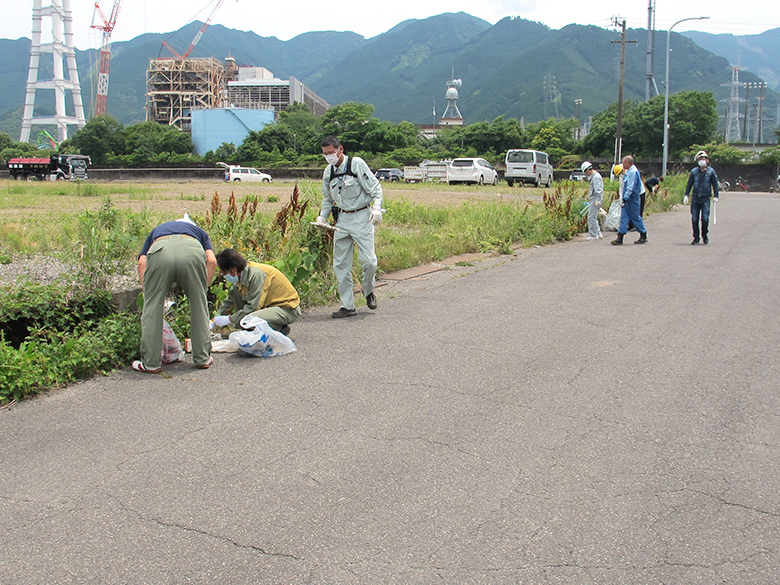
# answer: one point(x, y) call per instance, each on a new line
point(207, 365)
point(285, 330)
point(343, 312)
point(139, 366)
point(371, 301)
point(592, 238)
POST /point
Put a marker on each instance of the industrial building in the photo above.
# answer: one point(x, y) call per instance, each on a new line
point(210, 128)
point(178, 87)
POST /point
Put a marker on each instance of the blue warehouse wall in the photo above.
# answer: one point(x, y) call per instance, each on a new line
point(210, 128)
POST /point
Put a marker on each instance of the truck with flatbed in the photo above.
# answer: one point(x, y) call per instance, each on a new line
point(57, 167)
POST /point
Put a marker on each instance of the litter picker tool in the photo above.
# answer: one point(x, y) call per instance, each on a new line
point(715, 211)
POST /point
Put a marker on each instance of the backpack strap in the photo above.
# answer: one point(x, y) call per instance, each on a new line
point(348, 171)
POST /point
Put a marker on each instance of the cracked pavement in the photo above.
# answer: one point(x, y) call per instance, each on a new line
point(576, 414)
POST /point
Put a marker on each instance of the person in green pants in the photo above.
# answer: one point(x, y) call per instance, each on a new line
point(176, 251)
point(257, 289)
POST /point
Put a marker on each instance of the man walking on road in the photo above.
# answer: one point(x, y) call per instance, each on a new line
point(349, 185)
point(632, 191)
point(703, 182)
point(595, 198)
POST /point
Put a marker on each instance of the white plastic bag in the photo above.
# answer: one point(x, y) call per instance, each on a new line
point(612, 221)
point(259, 339)
point(172, 351)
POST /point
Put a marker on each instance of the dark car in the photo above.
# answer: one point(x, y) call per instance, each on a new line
point(577, 175)
point(390, 175)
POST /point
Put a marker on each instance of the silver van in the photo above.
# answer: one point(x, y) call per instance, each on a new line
point(528, 166)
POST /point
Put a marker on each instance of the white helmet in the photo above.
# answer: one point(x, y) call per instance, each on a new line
point(585, 166)
point(701, 154)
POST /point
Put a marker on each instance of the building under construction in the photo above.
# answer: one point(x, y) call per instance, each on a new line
point(175, 87)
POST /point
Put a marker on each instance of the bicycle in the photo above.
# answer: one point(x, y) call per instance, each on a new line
point(742, 184)
point(723, 185)
point(776, 187)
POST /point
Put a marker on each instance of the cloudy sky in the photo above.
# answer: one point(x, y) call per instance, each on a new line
point(286, 20)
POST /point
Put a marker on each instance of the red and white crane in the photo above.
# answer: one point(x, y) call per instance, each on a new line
point(105, 54)
point(197, 36)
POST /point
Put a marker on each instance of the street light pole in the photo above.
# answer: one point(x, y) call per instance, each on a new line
point(666, 87)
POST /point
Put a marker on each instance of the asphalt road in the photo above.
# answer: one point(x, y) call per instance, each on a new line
point(577, 414)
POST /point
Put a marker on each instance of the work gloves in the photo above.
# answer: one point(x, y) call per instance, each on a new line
point(715, 199)
point(376, 217)
point(685, 200)
point(622, 203)
point(222, 320)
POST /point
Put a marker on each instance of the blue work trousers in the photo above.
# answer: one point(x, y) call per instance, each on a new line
point(631, 211)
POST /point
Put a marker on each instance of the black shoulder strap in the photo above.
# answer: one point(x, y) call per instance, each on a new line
point(348, 171)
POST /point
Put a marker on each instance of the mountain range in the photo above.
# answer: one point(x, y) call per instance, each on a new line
point(515, 68)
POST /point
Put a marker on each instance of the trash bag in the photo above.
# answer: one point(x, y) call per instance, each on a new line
point(172, 351)
point(258, 339)
point(612, 220)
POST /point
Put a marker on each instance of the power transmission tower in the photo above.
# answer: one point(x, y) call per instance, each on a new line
point(551, 93)
point(623, 42)
point(732, 108)
point(61, 47)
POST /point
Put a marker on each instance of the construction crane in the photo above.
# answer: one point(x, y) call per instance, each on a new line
point(197, 36)
point(105, 54)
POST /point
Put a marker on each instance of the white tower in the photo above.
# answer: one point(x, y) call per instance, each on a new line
point(732, 109)
point(452, 116)
point(61, 47)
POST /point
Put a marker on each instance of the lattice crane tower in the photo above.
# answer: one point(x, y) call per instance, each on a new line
point(62, 49)
point(101, 103)
point(732, 108)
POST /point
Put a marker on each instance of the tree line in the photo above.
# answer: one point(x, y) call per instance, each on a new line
point(294, 139)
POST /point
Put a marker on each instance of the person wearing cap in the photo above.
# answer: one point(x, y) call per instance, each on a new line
point(256, 289)
point(595, 198)
point(630, 202)
point(349, 185)
point(703, 183)
point(176, 251)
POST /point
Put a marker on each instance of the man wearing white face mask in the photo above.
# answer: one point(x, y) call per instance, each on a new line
point(704, 183)
point(349, 185)
point(257, 289)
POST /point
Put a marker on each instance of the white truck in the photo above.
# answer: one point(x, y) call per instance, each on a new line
point(428, 170)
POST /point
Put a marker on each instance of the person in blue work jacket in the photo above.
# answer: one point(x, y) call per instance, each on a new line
point(630, 202)
point(703, 182)
point(349, 187)
point(176, 251)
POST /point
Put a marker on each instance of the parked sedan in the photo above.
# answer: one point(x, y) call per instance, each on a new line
point(390, 175)
point(577, 175)
point(246, 174)
point(472, 170)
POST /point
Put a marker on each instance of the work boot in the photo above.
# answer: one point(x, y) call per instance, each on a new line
point(371, 301)
point(705, 229)
point(642, 238)
point(618, 241)
point(343, 312)
point(695, 225)
point(695, 242)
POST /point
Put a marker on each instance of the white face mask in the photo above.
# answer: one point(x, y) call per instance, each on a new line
point(332, 158)
point(702, 163)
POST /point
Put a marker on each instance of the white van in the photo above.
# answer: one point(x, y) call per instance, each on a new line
point(234, 173)
point(528, 166)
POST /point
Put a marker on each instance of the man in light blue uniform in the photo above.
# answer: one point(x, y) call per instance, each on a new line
point(595, 198)
point(349, 185)
point(631, 201)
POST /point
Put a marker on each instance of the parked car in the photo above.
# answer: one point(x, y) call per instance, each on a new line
point(577, 175)
point(390, 175)
point(528, 166)
point(246, 174)
point(472, 170)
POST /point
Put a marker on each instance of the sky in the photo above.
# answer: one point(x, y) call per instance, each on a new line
point(275, 19)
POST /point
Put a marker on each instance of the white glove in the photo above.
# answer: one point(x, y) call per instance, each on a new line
point(376, 217)
point(715, 199)
point(222, 320)
point(685, 200)
point(321, 220)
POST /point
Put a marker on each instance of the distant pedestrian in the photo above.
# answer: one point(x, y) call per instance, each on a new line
point(595, 199)
point(704, 183)
point(630, 201)
point(653, 184)
point(176, 251)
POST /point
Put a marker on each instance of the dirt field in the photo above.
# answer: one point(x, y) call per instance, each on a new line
point(195, 196)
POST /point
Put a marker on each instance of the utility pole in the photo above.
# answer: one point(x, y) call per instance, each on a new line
point(747, 114)
point(619, 133)
point(650, 49)
point(761, 87)
point(577, 105)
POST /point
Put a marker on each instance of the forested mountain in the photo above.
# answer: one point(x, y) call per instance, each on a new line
point(402, 72)
point(755, 53)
